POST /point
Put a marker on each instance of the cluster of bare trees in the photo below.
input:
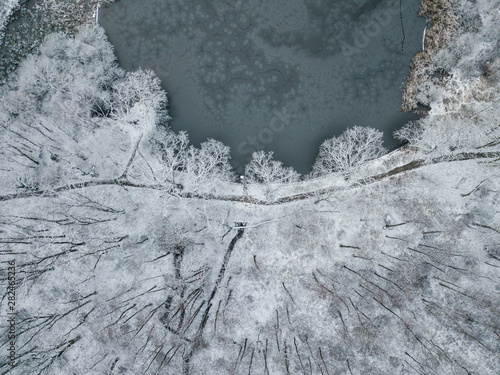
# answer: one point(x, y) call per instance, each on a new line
point(176, 163)
point(344, 153)
point(71, 114)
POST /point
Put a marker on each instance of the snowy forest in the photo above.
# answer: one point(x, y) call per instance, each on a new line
point(124, 249)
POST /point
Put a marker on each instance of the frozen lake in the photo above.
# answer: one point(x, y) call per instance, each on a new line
point(280, 75)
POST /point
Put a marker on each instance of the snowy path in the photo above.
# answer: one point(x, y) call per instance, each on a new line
point(415, 164)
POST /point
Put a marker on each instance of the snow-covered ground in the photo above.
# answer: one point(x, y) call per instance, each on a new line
point(135, 253)
point(397, 277)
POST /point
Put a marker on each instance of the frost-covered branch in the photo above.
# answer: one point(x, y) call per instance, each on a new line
point(262, 168)
point(354, 147)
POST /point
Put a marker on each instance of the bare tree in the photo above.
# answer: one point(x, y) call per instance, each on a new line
point(354, 147)
point(139, 99)
point(264, 169)
point(170, 150)
point(411, 133)
point(208, 163)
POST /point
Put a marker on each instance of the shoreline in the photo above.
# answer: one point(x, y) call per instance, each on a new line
point(441, 16)
point(442, 27)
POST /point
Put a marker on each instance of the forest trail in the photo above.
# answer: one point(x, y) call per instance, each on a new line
point(413, 165)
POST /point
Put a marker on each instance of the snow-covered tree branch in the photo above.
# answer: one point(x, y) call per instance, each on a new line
point(208, 163)
point(354, 147)
point(264, 169)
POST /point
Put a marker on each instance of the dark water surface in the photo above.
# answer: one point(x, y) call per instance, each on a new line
point(279, 75)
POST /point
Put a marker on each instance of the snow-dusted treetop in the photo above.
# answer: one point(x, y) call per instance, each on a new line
point(352, 148)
